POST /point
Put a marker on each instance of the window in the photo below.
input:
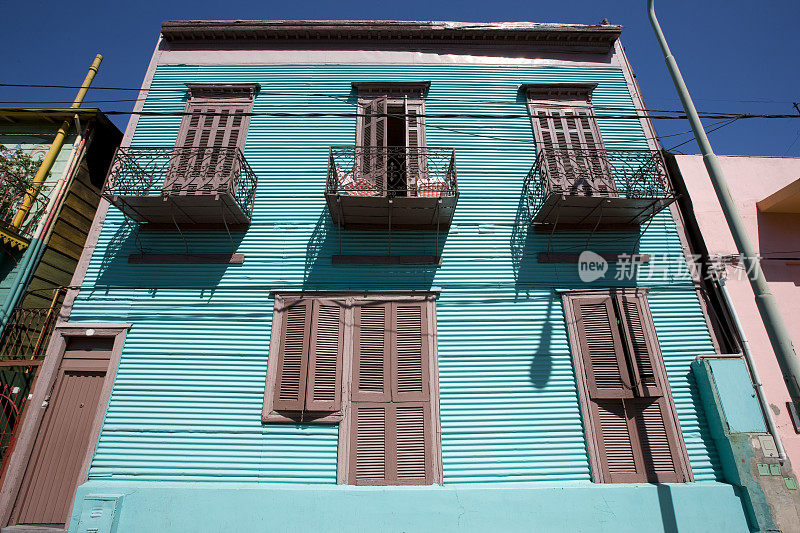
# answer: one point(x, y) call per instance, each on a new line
point(390, 136)
point(213, 129)
point(567, 134)
point(365, 362)
point(628, 413)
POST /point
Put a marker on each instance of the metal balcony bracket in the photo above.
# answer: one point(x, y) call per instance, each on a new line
point(552, 232)
point(594, 229)
point(642, 232)
point(177, 227)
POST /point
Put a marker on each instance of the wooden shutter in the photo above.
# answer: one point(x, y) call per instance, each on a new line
point(372, 352)
point(631, 420)
point(607, 374)
point(326, 348)
point(410, 350)
point(210, 125)
point(576, 161)
point(290, 382)
point(391, 444)
point(416, 162)
point(310, 353)
point(642, 343)
point(391, 432)
point(373, 142)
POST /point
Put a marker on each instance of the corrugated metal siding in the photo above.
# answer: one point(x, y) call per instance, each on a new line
point(187, 399)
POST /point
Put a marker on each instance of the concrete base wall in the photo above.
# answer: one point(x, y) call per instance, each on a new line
point(139, 506)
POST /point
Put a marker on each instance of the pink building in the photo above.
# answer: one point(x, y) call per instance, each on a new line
point(767, 194)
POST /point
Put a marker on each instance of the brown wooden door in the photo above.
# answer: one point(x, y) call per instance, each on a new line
point(62, 442)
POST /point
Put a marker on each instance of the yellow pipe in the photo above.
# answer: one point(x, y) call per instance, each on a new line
point(55, 148)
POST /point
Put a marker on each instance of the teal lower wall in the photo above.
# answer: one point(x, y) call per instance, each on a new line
point(641, 508)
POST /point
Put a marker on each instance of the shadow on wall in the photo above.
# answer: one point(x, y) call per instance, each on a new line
point(542, 362)
point(328, 240)
point(115, 270)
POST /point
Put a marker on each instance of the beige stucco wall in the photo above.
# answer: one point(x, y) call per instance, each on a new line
point(777, 239)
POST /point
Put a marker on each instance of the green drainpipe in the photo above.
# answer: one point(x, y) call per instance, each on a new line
point(770, 315)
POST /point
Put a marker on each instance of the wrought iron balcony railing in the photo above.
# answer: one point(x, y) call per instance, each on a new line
point(13, 192)
point(168, 172)
point(392, 171)
point(27, 333)
point(627, 179)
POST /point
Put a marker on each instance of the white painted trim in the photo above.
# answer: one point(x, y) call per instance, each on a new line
point(433, 56)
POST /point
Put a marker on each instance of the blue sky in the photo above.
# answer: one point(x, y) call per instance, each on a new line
point(736, 56)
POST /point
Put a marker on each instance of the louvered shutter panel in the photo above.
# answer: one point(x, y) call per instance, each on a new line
point(594, 159)
point(616, 441)
point(410, 350)
point(413, 459)
point(370, 448)
point(416, 162)
point(642, 343)
point(604, 361)
point(659, 456)
point(326, 349)
point(290, 382)
point(372, 352)
point(373, 140)
point(206, 146)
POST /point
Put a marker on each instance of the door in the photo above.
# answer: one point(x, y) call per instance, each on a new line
point(63, 440)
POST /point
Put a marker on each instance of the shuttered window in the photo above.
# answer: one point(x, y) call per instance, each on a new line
point(628, 410)
point(214, 126)
point(390, 134)
point(390, 425)
point(367, 362)
point(308, 378)
point(566, 131)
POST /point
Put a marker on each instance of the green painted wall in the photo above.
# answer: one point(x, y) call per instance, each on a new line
point(187, 399)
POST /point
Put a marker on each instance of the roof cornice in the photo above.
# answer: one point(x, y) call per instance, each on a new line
point(594, 38)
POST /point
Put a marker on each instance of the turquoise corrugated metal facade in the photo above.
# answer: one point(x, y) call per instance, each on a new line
point(186, 403)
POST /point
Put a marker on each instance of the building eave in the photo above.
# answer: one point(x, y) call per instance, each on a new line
point(595, 38)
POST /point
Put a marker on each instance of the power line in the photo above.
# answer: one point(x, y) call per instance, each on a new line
point(727, 123)
point(339, 96)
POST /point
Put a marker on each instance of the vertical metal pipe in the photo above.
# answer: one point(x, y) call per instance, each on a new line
point(55, 148)
point(767, 307)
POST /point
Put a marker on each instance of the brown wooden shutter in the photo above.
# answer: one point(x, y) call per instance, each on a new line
point(372, 344)
point(391, 444)
point(642, 343)
point(414, 459)
point(633, 429)
point(213, 122)
point(290, 382)
point(391, 431)
point(324, 383)
point(370, 446)
point(411, 359)
point(617, 441)
point(658, 437)
point(607, 372)
point(576, 160)
point(373, 140)
point(416, 162)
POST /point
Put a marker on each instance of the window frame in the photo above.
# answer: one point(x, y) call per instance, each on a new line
point(343, 417)
point(682, 467)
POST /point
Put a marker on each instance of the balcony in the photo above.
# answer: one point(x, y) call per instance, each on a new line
point(17, 225)
point(582, 189)
point(392, 187)
point(182, 186)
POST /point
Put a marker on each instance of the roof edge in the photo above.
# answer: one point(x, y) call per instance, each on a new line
point(598, 38)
